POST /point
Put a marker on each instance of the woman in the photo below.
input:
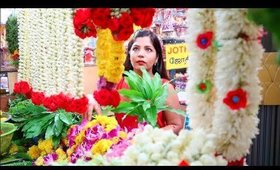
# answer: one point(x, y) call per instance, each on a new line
point(144, 50)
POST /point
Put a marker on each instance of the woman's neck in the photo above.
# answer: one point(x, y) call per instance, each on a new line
point(139, 72)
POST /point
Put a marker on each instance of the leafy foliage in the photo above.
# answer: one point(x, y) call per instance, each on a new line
point(35, 121)
point(147, 97)
point(268, 17)
point(12, 33)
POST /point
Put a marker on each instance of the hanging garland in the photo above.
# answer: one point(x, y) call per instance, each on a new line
point(57, 51)
point(237, 83)
point(111, 26)
point(201, 25)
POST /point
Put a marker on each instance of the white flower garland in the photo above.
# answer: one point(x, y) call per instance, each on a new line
point(238, 60)
point(24, 47)
point(51, 54)
point(201, 68)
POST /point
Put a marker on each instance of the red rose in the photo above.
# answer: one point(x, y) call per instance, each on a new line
point(125, 28)
point(236, 99)
point(103, 97)
point(50, 104)
point(106, 97)
point(78, 105)
point(22, 87)
point(114, 25)
point(101, 17)
point(142, 16)
point(115, 98)
point(204, 40)
point(83, 25)
point(37, 98)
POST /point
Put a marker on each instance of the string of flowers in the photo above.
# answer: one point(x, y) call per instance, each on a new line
point(200, 88)
point(23, 33)
point(34, 17)
point(48, 54)
point(238, 90)
point(74, 67)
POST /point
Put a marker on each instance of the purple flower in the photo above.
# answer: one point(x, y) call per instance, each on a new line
point(50, 158)
point(103, 83)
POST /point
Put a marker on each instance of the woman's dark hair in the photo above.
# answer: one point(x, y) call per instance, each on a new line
point(159, 67)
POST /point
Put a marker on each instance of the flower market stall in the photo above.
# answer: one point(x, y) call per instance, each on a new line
point(223, 91)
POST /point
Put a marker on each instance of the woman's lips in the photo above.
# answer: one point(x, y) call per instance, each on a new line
point(141, 62)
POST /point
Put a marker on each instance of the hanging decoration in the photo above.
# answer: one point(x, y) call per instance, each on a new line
point(235, 121)
point(201, 26)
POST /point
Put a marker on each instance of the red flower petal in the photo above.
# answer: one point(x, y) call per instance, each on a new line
point(184, 163)
point(236, 104)
point(204, 40)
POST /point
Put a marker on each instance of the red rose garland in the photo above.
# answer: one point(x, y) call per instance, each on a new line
point(204, 40)
point(119, 20)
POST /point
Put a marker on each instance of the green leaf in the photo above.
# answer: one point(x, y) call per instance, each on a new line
point(152, 116)
point(156, 81)
point(56, 141)
point(49, 132)
point(65, 117)
point(133, 95)
point(147, 84)
point(146, 105)
point(124, 107)
point(58, 125)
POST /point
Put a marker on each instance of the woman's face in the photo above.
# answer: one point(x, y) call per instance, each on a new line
point(143, 54)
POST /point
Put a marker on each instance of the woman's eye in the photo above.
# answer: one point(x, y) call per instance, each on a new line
point(149, 50)
point(135, 48)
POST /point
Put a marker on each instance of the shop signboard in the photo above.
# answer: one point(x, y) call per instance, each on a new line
point(176, 56)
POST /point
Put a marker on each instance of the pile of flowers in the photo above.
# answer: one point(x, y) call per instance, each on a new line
point(154, 146)
point(92, 141)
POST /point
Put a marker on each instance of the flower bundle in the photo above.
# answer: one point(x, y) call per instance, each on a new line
point(92, 140)
point(45, 116)
point(119, 20)
point(238, 90)
point(201, 25)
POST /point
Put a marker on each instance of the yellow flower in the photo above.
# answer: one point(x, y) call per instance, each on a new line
point(46, 145)
point(122, 135)
point(39, 161)
point(13, 149)
point(61, 154)
point(80, 137)
point(115, 140)
point(34, 152)
point(101, 146)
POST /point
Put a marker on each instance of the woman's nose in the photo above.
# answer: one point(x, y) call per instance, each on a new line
point(141, 53)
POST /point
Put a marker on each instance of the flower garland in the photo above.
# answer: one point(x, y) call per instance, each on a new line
point(24, 48)
point(57, 54)
point(112, 26)
point(200, 88)
point(238, 90)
